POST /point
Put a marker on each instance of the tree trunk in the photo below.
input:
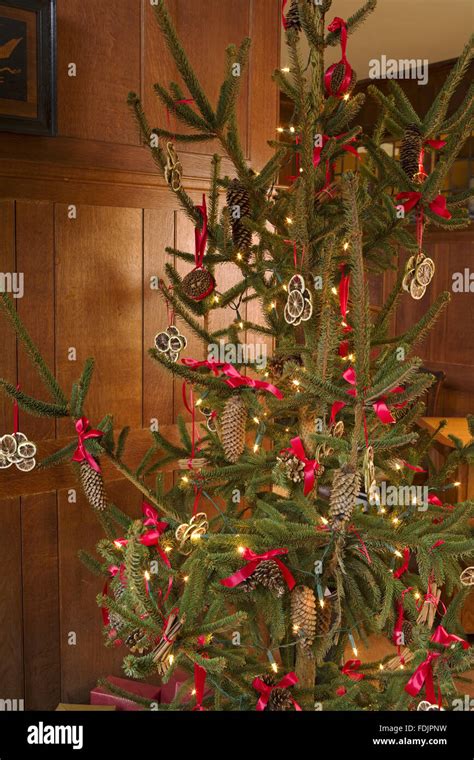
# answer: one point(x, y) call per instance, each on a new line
point(305, 669)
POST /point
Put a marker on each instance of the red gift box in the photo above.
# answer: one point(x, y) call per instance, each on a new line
point(100, 695)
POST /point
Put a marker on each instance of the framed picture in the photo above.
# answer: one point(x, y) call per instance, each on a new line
point(27, 66)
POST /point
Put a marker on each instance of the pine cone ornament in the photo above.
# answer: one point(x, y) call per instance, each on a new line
point(232, 428)
point(266, 574)
point(407, 630)
point(93, 486)
point(293, 20)
point(279, 699)
point(303, 614)
point(136, 642)
point(344, 490)
point(238, 202)
point(276, 364)
point(293, 467)
point(198, 284)
point(410, 150)
point(337, 78)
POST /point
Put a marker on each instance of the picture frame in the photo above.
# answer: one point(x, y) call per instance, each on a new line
point(28, 66)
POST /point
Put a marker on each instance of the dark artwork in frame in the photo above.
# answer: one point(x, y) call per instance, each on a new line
point(27, 66)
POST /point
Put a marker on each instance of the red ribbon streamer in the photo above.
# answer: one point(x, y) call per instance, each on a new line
point(253, 560)
point(350, 669)
point(83, 435)
point(423, 676)
point(403, 568)
point(201, 234)
point(399, 623)
point(234, 378)
point(311, 466)
point(200, 674)
point(338, 24)
point(264, 690)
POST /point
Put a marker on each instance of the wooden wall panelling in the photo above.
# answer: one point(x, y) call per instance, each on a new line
point(35, 259)
point(230, 24)
point(41, 601)
point(105, 46)
point(11, 613)
point(265, 31)
point(99, 308)
point(84, 662)
point(8, 351)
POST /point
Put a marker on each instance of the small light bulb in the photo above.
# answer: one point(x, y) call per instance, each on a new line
point(239, 256)
point(296, 628)
point(255, 448)
point(168, 549)
point(274, 667)
point(273, 305)
point(216, 299)
point(196, 537)
point(324, 521)
point(346, 96)
point(457, 483)
point(395, 520)
point(289, 220)
point(380, 666)
point(345, 246)
point(286, 69)
point(280, 129)
point(146, 575)
point(171, 659)
point(185, 479)
point(351, 357)
point(292, 129)
point(241, 325)
point(417, 595)
point(321, 603)
point(241, 549)
point(354, 649)
point(334, 290)
point(397, 553)
point(402, 667)
point(199, 402)
point(398, 466)
point(256, 420)
point(296, 382)
point(285, 287)
point(118, 545)
point(383, 510)
point(185, 578)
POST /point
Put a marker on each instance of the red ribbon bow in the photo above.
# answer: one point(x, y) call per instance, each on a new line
point(380, 407)
point(253, 560)
point(311, 466)
point(338, 24)
point(350, 669)
point(399, 623)
point(81, 454)
point(412, 199)
point(441, 636)
point(234, 378)
point(264, 690)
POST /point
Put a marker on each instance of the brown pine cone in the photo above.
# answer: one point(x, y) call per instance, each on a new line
point(303, 614)
point(266, 574)
point(232, 428)
point(410, 150)
point(344, 490)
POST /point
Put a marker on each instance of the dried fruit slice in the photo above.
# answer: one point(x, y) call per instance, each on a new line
point(425, 271)
point(27, 450)
point(417, 291)
point(26, 465)
point(307, 311)
point(295, 303)
point(288, 318)
point(162, 342)
point(296, 283)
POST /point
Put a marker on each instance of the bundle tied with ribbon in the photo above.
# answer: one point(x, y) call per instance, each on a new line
point(423, 676)
point(264, 569)
point(199, 282)
point(233, 378)
point(379, 406)
point(339, 78)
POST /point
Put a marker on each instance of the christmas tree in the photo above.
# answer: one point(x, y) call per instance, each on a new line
point(278, 547)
